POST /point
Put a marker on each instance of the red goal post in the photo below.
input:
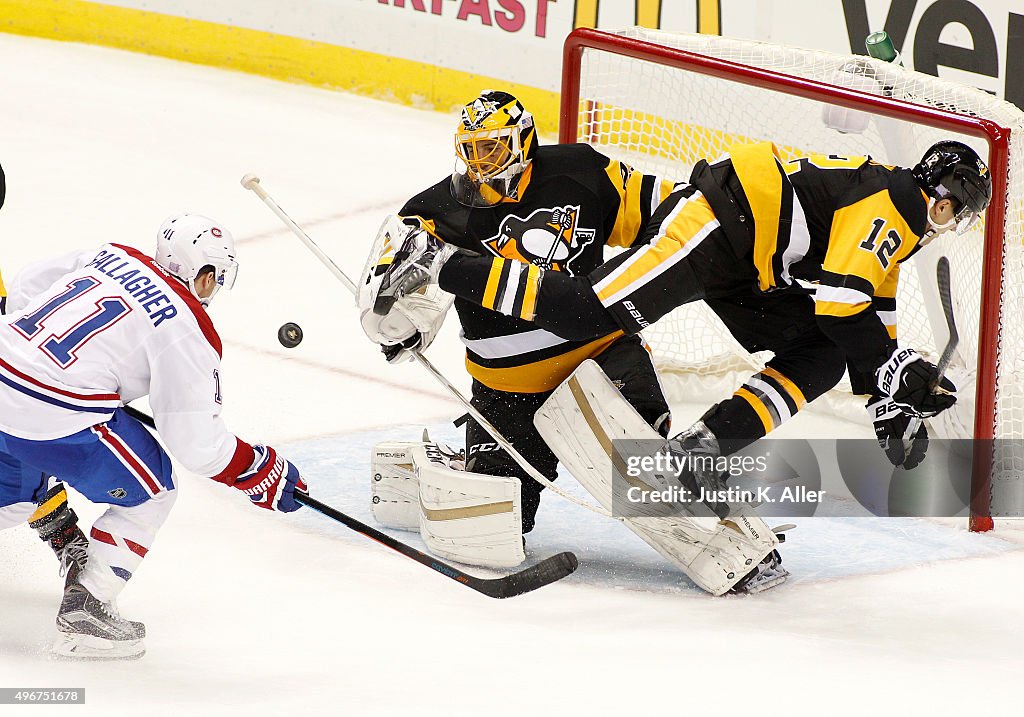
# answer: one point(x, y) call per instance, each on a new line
point(645, 96)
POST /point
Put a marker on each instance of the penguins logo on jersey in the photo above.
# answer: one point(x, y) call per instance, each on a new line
point(549, 238)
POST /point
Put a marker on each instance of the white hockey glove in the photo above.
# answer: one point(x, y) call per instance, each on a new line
point(890, 426)
point(401, 305)
point(859, 76)
point(907, 379)
point(412, 322)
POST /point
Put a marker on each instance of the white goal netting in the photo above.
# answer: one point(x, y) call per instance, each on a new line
point(662, 119)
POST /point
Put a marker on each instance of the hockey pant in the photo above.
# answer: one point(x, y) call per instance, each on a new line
point(118, 463)
point(627, 362)
point(644, 285)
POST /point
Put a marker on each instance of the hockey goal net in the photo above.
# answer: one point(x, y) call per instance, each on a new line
point(662, 101)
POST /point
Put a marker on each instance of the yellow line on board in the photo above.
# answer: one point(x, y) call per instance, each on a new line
point(648, 13)
point(267, 54)
point(709, 17)
point(585, 13)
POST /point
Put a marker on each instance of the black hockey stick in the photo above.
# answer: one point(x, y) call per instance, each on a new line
point(536, 576)
point(946, 297)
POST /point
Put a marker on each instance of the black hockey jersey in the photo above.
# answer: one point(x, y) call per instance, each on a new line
point(837, 227)
point(574, 202)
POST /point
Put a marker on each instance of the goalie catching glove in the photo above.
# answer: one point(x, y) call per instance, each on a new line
point(401, 306)
point(890, 426)
point(914, 385)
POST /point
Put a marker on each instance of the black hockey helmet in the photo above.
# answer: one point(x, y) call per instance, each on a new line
point(952, 170)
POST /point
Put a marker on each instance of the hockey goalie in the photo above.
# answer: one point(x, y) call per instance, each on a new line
point(476, 518)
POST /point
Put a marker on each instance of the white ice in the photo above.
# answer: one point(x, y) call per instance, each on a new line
point(255, 613)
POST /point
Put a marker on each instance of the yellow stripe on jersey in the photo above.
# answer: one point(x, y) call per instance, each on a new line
point(757, 168)
point(533, 275)
point(544, 375)
point(427, 225)
point(887, 289)
point(839, 308)
point(635, 204)
point(3, 289)
point(791, 388)
point(758, 407)
point(493, 279)
point(691, 223)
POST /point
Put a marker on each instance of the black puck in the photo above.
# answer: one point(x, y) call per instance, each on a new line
point(290, 335)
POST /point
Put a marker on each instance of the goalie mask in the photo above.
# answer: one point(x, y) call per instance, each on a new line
point(494, 145)
point(189, 243)
point(952, 170)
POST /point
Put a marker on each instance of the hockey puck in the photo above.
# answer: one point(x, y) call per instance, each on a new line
point(290, 335)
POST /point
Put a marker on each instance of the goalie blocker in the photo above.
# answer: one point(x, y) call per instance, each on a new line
point(467, 517)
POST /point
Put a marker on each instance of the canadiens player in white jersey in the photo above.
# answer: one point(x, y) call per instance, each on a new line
point(84, 334)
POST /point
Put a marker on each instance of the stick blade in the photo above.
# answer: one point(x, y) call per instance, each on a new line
point(942, 278)
point(536, 576)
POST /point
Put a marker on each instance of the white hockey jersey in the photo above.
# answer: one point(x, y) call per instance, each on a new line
point(88, 332)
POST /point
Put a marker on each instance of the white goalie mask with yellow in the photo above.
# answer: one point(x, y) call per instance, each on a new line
point(494, 145)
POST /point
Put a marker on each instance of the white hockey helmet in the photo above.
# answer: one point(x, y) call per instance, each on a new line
point(188, 243)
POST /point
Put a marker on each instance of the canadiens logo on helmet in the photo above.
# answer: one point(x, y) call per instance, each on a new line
point(550, 238)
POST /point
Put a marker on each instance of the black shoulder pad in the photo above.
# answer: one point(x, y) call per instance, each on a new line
point(571, 158)
point(909, 202)
point(431, 202)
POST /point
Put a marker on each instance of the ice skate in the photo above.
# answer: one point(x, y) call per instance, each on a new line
point(767, 574)
point(93, 630)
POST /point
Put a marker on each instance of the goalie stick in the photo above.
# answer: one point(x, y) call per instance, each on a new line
point(526, 580)
point(945, 296)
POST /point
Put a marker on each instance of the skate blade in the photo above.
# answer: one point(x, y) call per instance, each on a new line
point(86, 647)
point(765, 581)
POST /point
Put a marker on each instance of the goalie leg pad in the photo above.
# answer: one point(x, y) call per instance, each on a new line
point(468, 517)
point(580, 421)
point(394, 488)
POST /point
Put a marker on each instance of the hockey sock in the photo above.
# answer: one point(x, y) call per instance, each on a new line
point(57, 524)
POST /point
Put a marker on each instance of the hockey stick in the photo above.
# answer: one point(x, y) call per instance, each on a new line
point(252, 183)
point(945, 296)
point(536, 576)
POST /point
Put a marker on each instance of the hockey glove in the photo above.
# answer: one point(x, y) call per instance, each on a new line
point(413, 321)
point(271, 481)
point(907, 379)
point(403, 260)
point(399, 353)
point(890, 427)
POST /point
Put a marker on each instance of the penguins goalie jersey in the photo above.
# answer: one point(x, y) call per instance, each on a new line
point(56, 379)
point(574, 202)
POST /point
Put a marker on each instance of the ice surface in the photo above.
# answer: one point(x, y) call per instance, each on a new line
point(260, 614)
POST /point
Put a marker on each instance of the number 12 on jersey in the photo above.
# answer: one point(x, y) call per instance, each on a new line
point(887, 247)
